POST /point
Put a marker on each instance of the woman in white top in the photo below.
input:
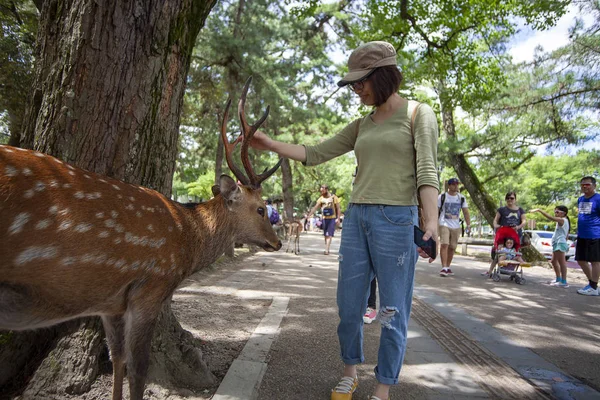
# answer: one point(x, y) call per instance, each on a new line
point(560, 247)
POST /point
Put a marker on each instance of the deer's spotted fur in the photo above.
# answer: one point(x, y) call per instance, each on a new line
point(74, 243)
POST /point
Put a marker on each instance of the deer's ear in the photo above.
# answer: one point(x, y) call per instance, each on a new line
point(228, 188)
point(215, 189)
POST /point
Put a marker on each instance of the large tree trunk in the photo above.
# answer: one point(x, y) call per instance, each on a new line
point(465, 173)
point(107, 95)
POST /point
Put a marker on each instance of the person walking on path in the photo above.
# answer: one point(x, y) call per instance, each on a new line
point(449, 205)
point(330, 208)
point(560, 247)
point(587, 251)
point(396, 162)
point(510, 215)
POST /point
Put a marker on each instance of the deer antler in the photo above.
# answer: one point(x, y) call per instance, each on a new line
point(247, 132)
point(230, 146)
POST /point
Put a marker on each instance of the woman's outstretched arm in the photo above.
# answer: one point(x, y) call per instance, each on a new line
point(261, 141)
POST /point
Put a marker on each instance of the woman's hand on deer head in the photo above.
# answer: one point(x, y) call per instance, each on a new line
point(261, 141)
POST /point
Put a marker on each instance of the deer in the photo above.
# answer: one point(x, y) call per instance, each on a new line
point(294, 228)
point(74, 244)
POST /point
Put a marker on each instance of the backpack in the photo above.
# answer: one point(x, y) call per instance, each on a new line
point(443, 200)
point(274, 218)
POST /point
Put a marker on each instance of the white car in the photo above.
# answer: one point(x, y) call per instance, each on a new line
point(542, 241)
point(572, 244)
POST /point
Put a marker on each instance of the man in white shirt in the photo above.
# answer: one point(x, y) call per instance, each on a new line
point(449, 206)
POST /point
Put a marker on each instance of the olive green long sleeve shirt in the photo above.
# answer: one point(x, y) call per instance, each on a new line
point(385, 155)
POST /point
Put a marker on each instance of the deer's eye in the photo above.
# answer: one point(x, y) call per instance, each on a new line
point(261, 211)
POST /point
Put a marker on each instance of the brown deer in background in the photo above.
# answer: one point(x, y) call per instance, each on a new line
point(294, 228)
point(74, 243)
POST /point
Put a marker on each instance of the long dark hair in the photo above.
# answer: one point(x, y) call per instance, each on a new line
point(566, 211)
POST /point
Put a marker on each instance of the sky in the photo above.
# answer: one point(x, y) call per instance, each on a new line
point(523, 45)
point(522, 48)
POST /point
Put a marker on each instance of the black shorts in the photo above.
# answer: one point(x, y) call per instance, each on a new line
point(587, 250)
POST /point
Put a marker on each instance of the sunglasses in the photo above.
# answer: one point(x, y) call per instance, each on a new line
point(510, 198)
point(586, 184)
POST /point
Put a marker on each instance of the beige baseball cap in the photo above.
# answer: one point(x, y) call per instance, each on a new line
point(365, 58)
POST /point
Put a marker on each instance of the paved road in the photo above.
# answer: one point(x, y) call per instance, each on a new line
point(469, 337)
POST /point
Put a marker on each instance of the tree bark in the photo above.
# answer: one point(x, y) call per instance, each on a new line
point(107, 96)
point(465, 173)
point(72, 363)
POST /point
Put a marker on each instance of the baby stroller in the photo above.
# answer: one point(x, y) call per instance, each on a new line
point(512, 268)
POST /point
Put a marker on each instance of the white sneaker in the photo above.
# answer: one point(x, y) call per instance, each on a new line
point(556, 283)
point(562, 285)
point(588, 291)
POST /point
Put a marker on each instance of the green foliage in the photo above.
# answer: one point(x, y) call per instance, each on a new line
point(18, 21)
point(287, 58)
point(555, 179)
point(201, 187)
point(459, 44)
point(548, 180)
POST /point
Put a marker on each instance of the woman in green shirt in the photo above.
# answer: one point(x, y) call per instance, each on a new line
point(377, 239)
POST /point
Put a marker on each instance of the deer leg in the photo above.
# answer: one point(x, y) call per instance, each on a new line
point(114, 328)
point(289, 239)
point(139, 328)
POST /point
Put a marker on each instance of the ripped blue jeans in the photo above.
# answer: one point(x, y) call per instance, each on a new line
point(377, 240)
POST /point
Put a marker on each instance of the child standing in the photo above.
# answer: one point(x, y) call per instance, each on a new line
point(559, 243)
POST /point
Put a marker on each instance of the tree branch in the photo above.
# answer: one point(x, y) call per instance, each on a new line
point(545, 100)
point(406, 16)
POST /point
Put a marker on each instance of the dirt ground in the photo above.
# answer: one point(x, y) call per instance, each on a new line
point(548, 320)
point(222, 324)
